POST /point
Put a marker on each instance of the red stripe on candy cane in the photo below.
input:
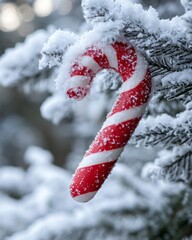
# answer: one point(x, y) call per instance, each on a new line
point(123, 118)
point(114, 136)
point(127, 59)
point(97, 54)
point(134, 97)
point(88, 180)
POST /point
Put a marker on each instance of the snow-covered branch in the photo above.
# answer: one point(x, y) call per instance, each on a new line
point(165, 130)
point(19, 66)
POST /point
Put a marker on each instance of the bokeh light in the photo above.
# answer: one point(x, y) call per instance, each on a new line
point(43, 8)
point(25, 29)
point(9, 17)
point(65, 7)
point(26, 12)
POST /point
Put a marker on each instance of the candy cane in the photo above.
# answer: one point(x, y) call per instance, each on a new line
point(123, 118)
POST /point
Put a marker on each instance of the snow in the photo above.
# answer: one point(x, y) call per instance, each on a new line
point(15, 64)
point(151, 122)
point(127, 11)
point(11, 179)
point(56, 107)
point(167, 157)
point(37, 155)
point(189, 106)
point(183, 119)
point(161, 168)
point(70, 217)
point(100, 11)
point(55, 47)
point(153, 172)
point(102, 33)
point(186, 4)
point(108, 19)
point(35, 202)
point(178, 77)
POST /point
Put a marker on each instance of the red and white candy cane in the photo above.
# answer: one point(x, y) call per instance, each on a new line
point(123, 118)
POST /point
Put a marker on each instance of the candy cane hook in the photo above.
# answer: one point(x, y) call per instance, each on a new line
point(123, 118)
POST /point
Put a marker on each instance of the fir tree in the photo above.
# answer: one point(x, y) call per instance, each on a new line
point(157, 206)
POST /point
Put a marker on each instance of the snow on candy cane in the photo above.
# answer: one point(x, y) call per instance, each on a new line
point(123, 118)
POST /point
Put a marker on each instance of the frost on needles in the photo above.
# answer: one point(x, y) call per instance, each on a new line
point(155, 207)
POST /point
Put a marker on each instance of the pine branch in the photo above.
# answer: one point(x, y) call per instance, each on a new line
point(174, 165)
point(177, 86)
point(165, 130)
point(54, 49)
point(181, 168)
point(19, 65)
point(42, 81)
point(134, 216)
point(172, 107)
point(180, 91)
point(163, 54)
point(187, 17)
point(167, 48)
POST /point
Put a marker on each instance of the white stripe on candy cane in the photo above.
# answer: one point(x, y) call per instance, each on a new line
point(138, 75)
point(90, 63)
point(100, 157)
point(85, 197)
point(111, 55)
point(125, 115)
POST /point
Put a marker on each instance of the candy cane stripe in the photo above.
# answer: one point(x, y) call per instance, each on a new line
point(90, 63)
point(110, 53)
point(79, 70)
point(85, 196)
point(127, 60)
point(112, 137)
point(99, 56)
point(92, 179)
point(137, 76)
point(100, 157)
point(122, 119)
point(125, 115)
point(134, 97)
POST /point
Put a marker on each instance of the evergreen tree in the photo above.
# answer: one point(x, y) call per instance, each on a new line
point(35, 202)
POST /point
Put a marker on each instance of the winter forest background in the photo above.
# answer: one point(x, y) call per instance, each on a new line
point(43, 136)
